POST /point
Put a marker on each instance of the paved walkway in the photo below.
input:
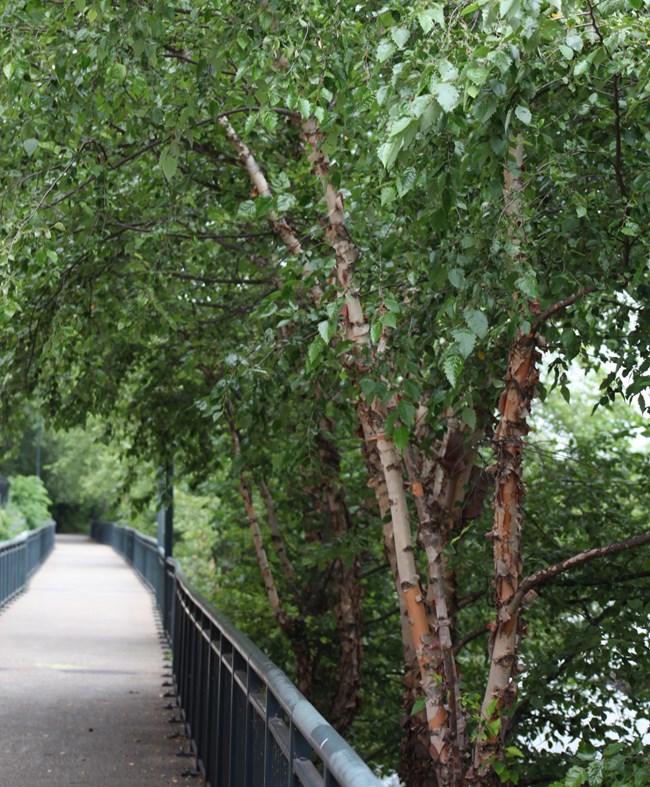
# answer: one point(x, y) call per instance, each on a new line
point(80, 678)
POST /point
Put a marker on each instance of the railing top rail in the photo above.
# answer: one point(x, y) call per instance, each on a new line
point(25, 535)
point(340, 759)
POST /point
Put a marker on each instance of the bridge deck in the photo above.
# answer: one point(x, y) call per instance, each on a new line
point(80, 678)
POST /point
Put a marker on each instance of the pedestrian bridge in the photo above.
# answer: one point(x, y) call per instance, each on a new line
point(114, 671)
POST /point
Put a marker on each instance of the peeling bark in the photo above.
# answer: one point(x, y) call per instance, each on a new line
point(449, 758)
point(372, 416)
point(514, 406)
point(261, 185)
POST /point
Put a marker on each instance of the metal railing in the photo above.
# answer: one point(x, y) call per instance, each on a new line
point(249, 725)
point(20, 557)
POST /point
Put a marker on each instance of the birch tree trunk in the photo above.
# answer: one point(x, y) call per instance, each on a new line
point(514, 408)
point(372, 416)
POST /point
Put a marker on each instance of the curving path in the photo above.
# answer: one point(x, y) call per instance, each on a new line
point(80, 678)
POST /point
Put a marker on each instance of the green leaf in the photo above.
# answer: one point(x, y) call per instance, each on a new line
point(399, 125)
point(476, 322)
point(118, 72)
point(169, 160)
point(566, 51)
point(500, 768)
point(389, 151)
point(595, 773)
point(523, 113)
point(631, 229)
point(406, 411)
point(8, 70)
point(315, 353)
point(638, 385)
point(527, 283)
point(247, 209)
point(406, 180)
point(493, 727)
point(581, 67)
point(326, 329)
point(468, 416)
point(401, 438)
point(448, 72)
point(30, 146)
point(389, 319)
point(286, 202)
point(452, 367)
point(575, 777)
point(446, 95)
point(385, 50)
point(478, 75)
point(434, 14)
point(368, 388)
point(418, 706)
point(400, 36)
point(456, 278)
point(388, 194)
point(304, 107)
point(269, 307)
point(269, 120)
point(575, 42)
point(465, 341)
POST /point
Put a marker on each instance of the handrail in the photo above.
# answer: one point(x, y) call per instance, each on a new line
point(21, 557)
point(248, 724)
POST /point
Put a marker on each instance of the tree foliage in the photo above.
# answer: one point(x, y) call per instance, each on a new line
point(314, 255)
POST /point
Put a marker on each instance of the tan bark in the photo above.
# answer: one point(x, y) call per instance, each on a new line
point(514, 406)
point(372, 416)
point(261, 185)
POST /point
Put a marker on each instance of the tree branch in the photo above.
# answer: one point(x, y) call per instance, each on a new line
point(475, 634)
point(563, 304)
point(259, 181)
point(543, 575)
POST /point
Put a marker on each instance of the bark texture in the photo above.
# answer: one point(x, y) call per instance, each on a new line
point(514, 405)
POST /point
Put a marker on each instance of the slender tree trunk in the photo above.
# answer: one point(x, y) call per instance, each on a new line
point(501, 689)
point(372, 415)
point(514, 407)
point(276, 538)
point(347, 586)
point(294, 629)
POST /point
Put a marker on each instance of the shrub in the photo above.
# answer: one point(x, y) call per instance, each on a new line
point(29, 495)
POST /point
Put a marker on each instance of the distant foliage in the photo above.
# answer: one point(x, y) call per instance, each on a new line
point(29, 497)
point(12, 522)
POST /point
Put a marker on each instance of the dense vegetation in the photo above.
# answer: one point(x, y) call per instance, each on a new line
point(318, 256)
point(27, 509)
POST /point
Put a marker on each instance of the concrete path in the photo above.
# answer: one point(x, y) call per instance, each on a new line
point(81, 670)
